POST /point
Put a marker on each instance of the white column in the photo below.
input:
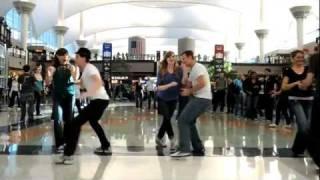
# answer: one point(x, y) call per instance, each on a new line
point(60, 29)
point(60, 32)
point(261, 34)
point(24, 30)
point(81, 36)
point(300, 13)
point(81, 42)
point(24, 8)
point(239, 46)
point(60, 13)
point(261, 11)
point(186, 44)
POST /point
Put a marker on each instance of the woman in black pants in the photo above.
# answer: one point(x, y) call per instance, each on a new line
point(300, 100)
point(169, 80)
point(282, 107)
point(38, 87)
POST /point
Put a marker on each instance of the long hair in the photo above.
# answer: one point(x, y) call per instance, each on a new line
point(164, 64)
point(59, 52)
point(56, 62)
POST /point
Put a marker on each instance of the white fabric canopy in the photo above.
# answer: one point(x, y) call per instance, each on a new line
point(162, 22)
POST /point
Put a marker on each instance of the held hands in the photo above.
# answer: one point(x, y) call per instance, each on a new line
point(300, 85)
point(172, 84)
point(185, 92)
point(84, 95)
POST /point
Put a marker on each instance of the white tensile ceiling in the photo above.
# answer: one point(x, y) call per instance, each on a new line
point(162, 22)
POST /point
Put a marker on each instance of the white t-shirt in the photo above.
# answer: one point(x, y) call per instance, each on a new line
point(87, 74)
point(150, 86)
point(14, 86)
point(196, 71)
point(77, 86)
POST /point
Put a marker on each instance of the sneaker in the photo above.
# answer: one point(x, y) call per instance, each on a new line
point(65, 160)
point(272, 125)
point(103, 151)
point(180, 154)
point(198, 152)
point(60, 149)
point(160, 143)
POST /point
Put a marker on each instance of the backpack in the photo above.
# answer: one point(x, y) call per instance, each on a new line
point(63, 84)
point(27, 83)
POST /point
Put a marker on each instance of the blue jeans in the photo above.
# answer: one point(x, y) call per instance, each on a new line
point(27, 99)
point(302, 111)
point(63, 115)
point(251, 104)
point(239, 104)
point(188, 133)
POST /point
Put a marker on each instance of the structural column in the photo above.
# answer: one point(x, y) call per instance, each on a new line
point(81, 42)
point(300, 13)
point(24, 8)
point(137, 46)
point(60, 32)
point(186, 44)
point(239, 46)
point(261, 34)
point(60, 29)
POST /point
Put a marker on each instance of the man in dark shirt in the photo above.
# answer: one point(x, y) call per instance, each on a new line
point(26, 83)
point(314, 73)
point(138, 94)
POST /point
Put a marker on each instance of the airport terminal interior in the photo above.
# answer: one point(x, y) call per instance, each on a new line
point(159, 90)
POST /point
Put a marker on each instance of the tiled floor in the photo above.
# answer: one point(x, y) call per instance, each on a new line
point(235, 149)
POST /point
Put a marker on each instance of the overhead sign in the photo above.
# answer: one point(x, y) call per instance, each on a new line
point(219, 58)
point(107, 57)
point(107, 51)
point(219, 51)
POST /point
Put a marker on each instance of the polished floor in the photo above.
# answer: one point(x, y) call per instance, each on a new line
point(235, 149)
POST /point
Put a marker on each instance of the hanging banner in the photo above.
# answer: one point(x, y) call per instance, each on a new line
point(107, 51)
point(219, 58)
point(107, 57)
point(219, 51)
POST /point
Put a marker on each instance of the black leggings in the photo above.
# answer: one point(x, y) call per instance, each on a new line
point(78, 105)
point(219, 100)
point(37, 96)
point(91, 113)
point(282, 108)
point(13, 97)
point(138, 99)
point(166, 109)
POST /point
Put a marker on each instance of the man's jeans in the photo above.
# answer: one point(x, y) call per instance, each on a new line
point(27, 99)
point(188, 133)
point(302, 111)
point(239, 104)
